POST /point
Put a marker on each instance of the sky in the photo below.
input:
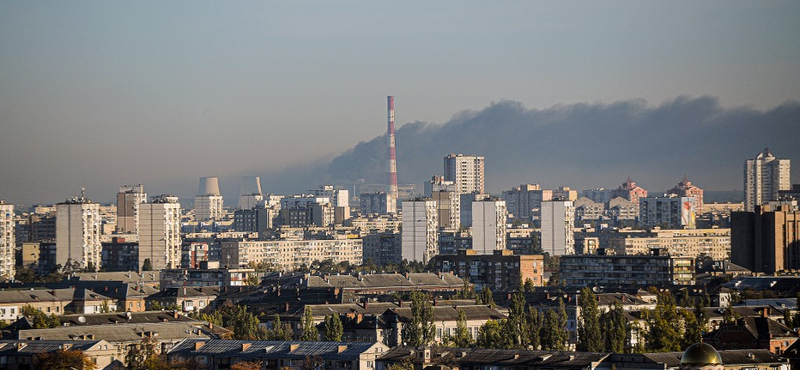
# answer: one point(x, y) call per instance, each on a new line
point(97, 94)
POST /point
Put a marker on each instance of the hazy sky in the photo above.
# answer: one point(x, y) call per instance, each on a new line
point(103, 93)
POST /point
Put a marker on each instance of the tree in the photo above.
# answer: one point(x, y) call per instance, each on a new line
point(693, 331)
point(252, 280)
point(614, 327)
point(246, 365)
point(39, 319)
point(145, 356)
point(589, 337)
point(147, 265)
point(664, 332)
point(534, 327)
point(104, 307)
point(485, 297)
point(528, 286)
point(310, 332)
point(333, 328)
point(562, 324)
point(490, 334)
point(406, 364)
point(421, 329)
point(516, 324)
point(550, 334)
point(244, 324)
point(63, 360)
point(467, 291)
point(462, 338)
point(279, 330)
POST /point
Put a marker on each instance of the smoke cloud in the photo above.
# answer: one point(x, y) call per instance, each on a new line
point(577, 145)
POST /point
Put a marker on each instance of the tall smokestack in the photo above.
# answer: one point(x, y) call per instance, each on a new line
point(392, 156)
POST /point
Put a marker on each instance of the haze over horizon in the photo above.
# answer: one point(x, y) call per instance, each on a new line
point(101, 94)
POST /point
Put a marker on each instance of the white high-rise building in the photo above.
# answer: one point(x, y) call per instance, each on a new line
point(7, 240)
point(763, 177)
point(78, 229)
point(466, 172)
point(489, 226)
point(557, 232)
point(208, 202)
point(160, 232)
point(338, 197)
point(128, 200)
point(420, 237)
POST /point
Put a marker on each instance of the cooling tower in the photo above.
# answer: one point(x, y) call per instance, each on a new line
point(250, 185)
point(208, 186)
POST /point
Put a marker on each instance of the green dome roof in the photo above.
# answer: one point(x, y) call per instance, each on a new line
point(701, 354)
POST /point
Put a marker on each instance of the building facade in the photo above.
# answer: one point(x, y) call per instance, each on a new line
point(686, 189)
point(128, 200)
point(78, 230)
point(501, 271)
point(587, 270)
point(557, 229)
point(764, 176)
point(694, 243)
point(420, 230)
point(380, 203)
point(160, 232)
point(767, 240)
point(466, 172)
point(489, 226)
point(7, 240)
point(672, 212)
point(630, 191)
point(289, 255)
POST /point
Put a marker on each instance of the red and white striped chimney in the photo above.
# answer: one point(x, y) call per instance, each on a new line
point(392, 154)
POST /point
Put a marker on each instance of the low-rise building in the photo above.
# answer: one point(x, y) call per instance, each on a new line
point(626, 270)
point(501, 271)
point(714, 243)
point(221, 354)
point(208, 277)
point(291, 254)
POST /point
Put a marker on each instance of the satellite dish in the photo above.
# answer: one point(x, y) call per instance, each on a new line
point(128, 315)
point(81, 319)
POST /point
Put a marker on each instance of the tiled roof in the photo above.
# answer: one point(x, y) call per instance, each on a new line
point(121, 317)
point(450, 313)
point(119, 332)
point(38, 295)
point(273, 349)
point(10, 347)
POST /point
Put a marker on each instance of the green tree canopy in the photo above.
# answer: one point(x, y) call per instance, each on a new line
point(589, 337)
point(421, 329)
point(310, 332)
point(333, 328)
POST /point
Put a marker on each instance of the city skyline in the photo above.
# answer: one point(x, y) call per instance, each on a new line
point(105, 94)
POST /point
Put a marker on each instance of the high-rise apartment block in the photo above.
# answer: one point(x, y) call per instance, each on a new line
point(380, 203)
point(208, 202)
point(524, 201)
point(7, 240)
point(557, 230)
point(489, 225)
point(630, 191)
point(767, 240)
point(128, 200)
point(466, 172)
point(448, 209)
point(420, 230)
point(764, 176)
point(671, 212)
point(160, 232)
point(78, 230)
point(686, 189)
